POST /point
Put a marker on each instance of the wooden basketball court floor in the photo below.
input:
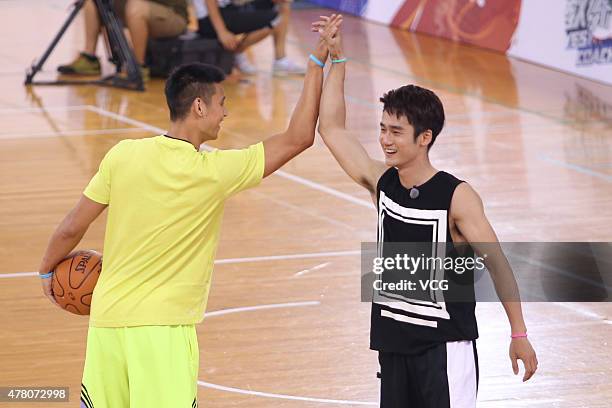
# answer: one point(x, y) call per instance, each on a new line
point(285, 327)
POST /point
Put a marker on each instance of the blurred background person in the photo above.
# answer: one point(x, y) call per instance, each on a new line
point(238, 24)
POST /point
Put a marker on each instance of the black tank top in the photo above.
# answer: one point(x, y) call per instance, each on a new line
point(407, 326)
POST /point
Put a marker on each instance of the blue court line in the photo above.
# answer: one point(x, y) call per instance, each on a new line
point(576, 167)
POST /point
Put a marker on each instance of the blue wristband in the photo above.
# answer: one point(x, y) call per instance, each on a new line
point(338, 61)
point(46, 275)
point(316, 61)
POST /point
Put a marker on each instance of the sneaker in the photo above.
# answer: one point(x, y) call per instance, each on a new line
point(244, 65)
point(84, 64)
point(285, 66)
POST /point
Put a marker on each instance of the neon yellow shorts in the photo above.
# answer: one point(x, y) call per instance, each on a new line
point(141, 367)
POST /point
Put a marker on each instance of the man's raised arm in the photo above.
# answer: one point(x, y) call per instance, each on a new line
point(299, 136)
point(347, 150)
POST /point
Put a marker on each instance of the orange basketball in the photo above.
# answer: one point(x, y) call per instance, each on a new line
point(74, 280)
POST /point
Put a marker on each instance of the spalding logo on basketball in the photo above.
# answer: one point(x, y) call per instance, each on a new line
point(74, 280)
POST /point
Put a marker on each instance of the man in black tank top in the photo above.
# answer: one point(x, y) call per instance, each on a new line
point(427, 349)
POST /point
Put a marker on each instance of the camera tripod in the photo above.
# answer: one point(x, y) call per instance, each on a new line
point(120, 52)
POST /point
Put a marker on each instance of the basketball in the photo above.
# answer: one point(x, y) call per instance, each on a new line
point(74, 280)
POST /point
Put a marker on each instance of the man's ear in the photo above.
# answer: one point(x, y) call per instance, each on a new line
point(199, 107)
point(425, 138)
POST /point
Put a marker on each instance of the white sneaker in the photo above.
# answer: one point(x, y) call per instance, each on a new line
point(244, 65)
point(285, 66)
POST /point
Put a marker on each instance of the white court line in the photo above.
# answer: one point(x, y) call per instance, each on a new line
point(325, 189)
point(233, 260)
point(579, 310)
point(266, 394)
point(303, 210)
point(17, 274)
point(9, 111)
point(125, 119)
point(297, 179)
point(78, 132)
point(314, 268)
point(282, 396)
point(260, 307)
point(280, 173)
point(518, 402)
point(283, 257)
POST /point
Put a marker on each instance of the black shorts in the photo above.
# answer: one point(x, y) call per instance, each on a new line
point(445, 376)
point(243, 19)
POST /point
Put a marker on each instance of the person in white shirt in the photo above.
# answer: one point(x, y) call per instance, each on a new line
point(238, 24)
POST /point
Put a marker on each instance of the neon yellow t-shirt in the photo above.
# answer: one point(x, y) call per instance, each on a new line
point(165, 205)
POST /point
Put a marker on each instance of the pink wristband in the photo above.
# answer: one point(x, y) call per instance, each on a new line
point(518, 335)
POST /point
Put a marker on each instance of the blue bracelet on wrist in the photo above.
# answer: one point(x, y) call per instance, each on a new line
point(46, 275)
point(316, 61)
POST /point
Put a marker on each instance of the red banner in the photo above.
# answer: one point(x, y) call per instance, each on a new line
point(486, 23)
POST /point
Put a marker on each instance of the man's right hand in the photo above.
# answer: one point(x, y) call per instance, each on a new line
point(228, 39)
point(329, 30)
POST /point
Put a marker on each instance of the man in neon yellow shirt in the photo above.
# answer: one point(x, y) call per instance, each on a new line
point(165, 202)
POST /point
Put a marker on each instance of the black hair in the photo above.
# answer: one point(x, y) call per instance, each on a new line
point(188, 82)
point(420, 106)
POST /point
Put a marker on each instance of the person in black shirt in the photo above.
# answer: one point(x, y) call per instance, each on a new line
point(426, 346)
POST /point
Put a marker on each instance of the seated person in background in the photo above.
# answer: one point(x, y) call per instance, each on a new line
point(143, 18)
point(256, 19)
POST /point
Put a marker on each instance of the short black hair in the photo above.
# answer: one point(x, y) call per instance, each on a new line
point(188, 82)
point(420, 106)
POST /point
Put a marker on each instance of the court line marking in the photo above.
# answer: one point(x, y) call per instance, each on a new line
point(560, 163)
point(211, 314)
point(453, 89)
point(567, 305)
point(557, 270)
point(235, 260)
point(518, 402)
point(581, 311)
point(314, 268)
point(18, 274)
point(316, 186)
point(457, 130)
point(576, 167)
point(9, 111)
point(285, 257)
point(64, 133)
point(268, 394)
point(282, 396)
point(309, 183)
point(509, 112)
point(222, 312)
point(121, 118)
point(303, 210)
point(280, 173)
